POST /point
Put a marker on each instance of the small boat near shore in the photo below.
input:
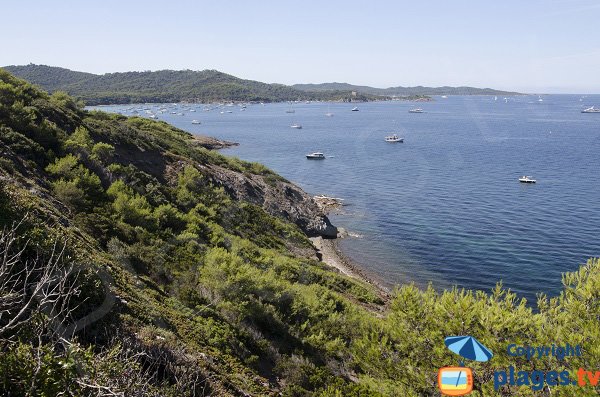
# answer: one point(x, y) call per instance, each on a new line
point(394, 138)
point(416, 110)
point(315, 156)
point(591, 110)
point(355, 109)
point(296, 126)
point(527, 179)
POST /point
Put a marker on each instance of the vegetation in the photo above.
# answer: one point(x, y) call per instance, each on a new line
point(125, 271)
point(399, 91)
point(167, 86)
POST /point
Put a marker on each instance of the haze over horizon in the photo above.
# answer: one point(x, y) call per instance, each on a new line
point(537, 46)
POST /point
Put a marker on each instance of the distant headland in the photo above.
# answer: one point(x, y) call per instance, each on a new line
point(212, 86)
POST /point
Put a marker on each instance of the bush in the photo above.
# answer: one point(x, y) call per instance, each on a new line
point(103, 152)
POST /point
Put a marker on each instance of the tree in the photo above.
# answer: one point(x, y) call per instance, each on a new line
point(77, 187)
point(103, 152)
point(64, 167)
point(80, 141)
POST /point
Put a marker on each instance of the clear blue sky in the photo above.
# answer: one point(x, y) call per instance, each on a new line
point(527, 45)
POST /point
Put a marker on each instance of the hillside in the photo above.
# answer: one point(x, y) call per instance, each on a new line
point(165, 86)
point(134, 261)
point(401, 91)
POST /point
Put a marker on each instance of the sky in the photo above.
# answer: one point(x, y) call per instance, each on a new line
point(549, 46)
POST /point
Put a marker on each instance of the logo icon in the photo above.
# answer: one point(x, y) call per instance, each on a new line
point(455, 381)
point(458, 381)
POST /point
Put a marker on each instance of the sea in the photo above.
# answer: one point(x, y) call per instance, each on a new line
point(445, 207)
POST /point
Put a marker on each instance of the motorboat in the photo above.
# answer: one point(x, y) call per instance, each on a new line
point(394, 138)
point(296, 126)
point(416, 110)
point(315, 156)
point(196, 122)
point(355, 109)
point(526, 179)
point(591, 110)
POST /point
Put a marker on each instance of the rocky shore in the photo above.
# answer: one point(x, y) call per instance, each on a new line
point(328, 250)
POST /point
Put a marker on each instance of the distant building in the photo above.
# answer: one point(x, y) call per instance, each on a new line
point(354, 93)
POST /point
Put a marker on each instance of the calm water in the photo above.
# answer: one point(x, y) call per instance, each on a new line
point(444, 206)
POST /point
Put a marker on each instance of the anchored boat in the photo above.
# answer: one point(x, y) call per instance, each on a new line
point(315, 156)
point(526, 179)
point(591, 110)
point(394, 138)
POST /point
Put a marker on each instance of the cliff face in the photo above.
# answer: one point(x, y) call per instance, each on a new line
point(277, 197)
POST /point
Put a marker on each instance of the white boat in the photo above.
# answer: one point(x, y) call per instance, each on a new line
point(355, 109)
point(296, 126)
point(540, 99)
point(152, 116)
point(591, 110)
point(290, 111)
point(195, 122)
point(416, 110)
point(394, 138)
point(329, 114)
point(315, 156)
point(526, 179)
point(444, 96)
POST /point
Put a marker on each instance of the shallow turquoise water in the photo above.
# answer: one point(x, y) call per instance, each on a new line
point(445, 206)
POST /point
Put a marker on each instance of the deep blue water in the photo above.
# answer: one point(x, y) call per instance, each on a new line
point(444, 206)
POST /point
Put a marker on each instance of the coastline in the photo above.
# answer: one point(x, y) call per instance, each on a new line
point(329, 253)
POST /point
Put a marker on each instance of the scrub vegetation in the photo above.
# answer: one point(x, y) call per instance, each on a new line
point(125, 270)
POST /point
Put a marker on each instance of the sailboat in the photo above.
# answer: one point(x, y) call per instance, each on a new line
point(290, 110)
point(328, 114)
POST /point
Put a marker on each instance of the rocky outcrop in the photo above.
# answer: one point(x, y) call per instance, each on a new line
point(212, 143)
point(276, 196)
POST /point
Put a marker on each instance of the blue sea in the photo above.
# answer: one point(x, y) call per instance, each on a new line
point(445, 206)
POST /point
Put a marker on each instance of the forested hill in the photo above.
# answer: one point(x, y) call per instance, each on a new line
point(134, 261)
point(401, 91)
point(167, 86)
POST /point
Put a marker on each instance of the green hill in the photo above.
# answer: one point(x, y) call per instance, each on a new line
point(165, 86)
point(401, 91)
point(134, 261)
